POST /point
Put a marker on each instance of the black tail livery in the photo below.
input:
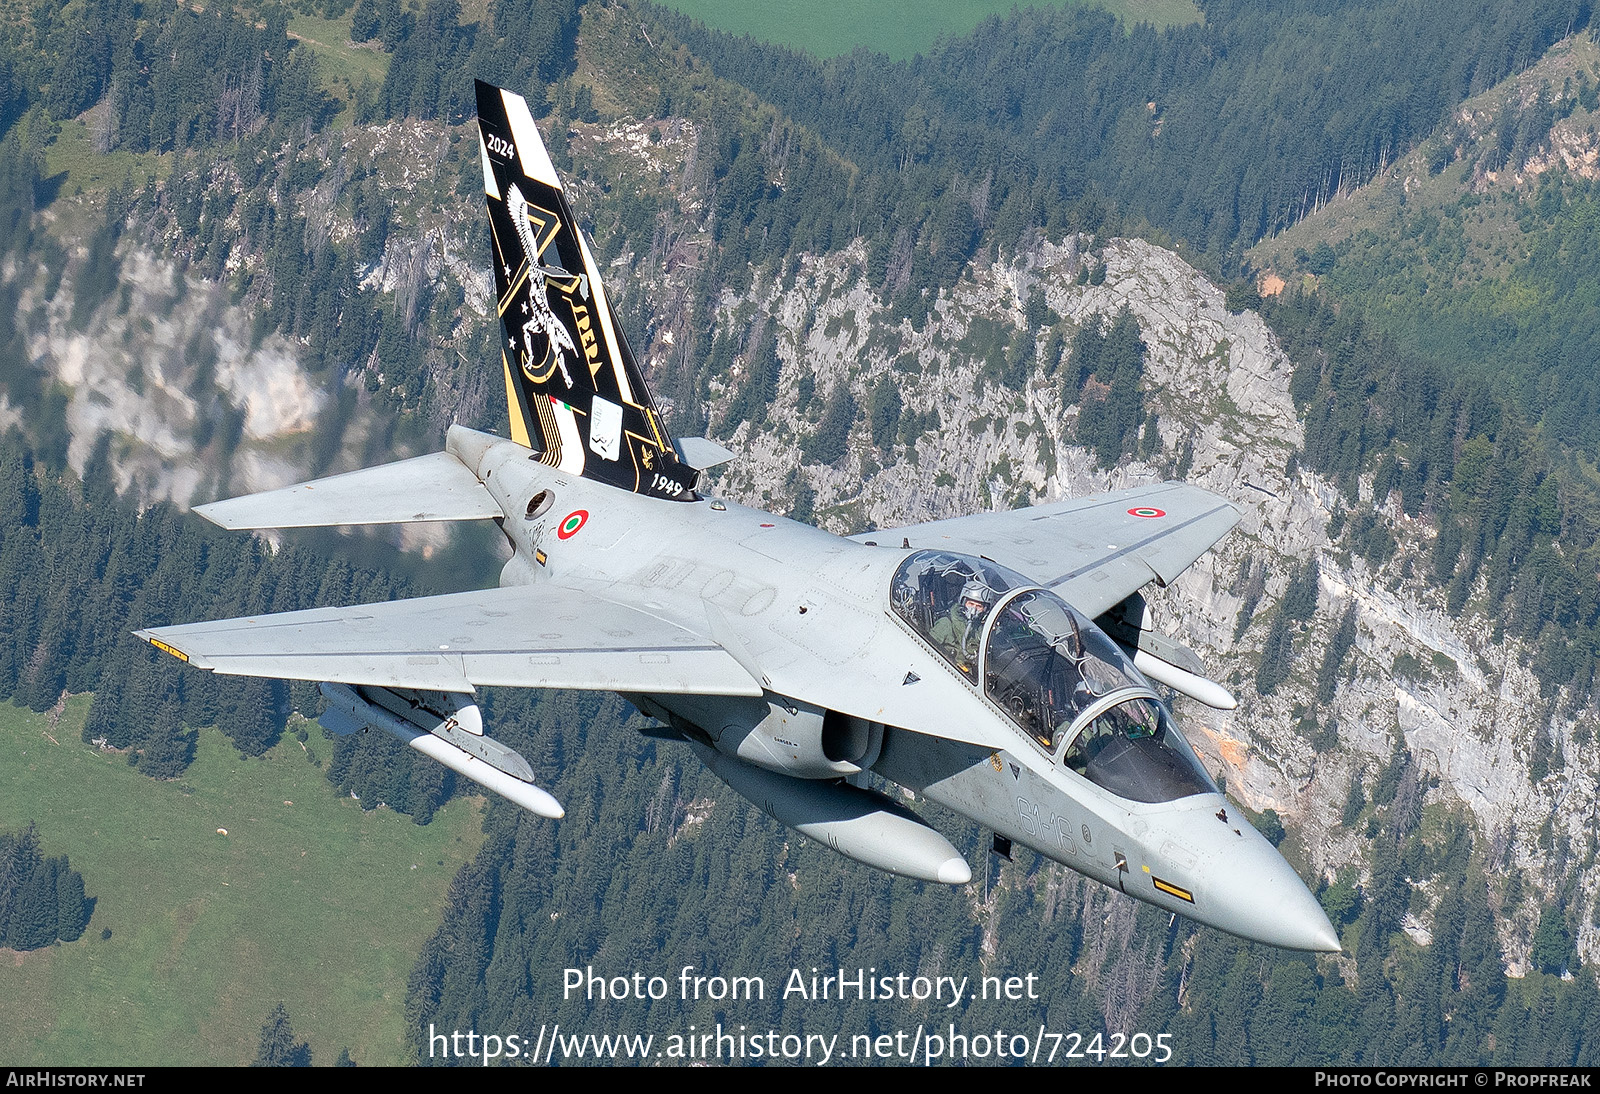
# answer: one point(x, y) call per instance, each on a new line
point(576, 396)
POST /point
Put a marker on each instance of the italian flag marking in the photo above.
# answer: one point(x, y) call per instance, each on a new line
point(572, 522)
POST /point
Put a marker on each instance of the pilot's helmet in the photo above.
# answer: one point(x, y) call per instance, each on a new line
point(975, 592)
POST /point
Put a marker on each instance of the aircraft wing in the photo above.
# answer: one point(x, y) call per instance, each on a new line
point(523, 636)
point(1093, 551)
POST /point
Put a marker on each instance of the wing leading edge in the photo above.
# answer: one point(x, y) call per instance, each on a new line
point(524, 636)
point(1094, 551)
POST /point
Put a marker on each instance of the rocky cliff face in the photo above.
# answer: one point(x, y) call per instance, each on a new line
point(174, 365)
point(165, 356)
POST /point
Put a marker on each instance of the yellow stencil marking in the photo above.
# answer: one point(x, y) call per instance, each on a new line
point(164, 648)
point(1172, 890)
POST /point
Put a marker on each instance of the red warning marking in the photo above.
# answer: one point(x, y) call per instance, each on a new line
point(1146, 511)
point(570, 525)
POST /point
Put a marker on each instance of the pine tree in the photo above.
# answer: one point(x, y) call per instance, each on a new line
point(883, 411)
point(74, 907)
point(278, 1046)
point(1109, 419)
point(1277, 656)
point(1552, 947)
point(1343, 639)
point(34, 921)
point(41, 899)
point(832, 439)
point(1300, 596)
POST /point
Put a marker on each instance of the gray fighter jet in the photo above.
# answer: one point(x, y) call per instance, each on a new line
point(997, 664)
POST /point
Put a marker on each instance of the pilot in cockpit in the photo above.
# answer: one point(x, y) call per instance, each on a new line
point(960, 629)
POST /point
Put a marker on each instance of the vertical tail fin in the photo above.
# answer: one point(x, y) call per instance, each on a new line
point(576, 395)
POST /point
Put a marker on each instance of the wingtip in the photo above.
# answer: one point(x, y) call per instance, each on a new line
point(209, 512)
point(150, 637)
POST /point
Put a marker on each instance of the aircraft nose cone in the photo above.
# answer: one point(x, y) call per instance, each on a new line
point(1265, 900)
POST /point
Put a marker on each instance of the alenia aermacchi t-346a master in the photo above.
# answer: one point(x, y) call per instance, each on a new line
point(997, 664)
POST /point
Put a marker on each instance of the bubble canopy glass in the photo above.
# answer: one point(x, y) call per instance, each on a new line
point(1134, 750)
point(1048, 666)
point(947, 599)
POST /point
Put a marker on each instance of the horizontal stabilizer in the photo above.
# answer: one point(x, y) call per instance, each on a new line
point(701, 453)
point(524, 636)
point(436, 487)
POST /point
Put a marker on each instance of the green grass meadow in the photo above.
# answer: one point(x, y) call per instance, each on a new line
point(338, 58)
point(72, 154)
point(306, 900)
point(899, 28)
point(342, 65)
